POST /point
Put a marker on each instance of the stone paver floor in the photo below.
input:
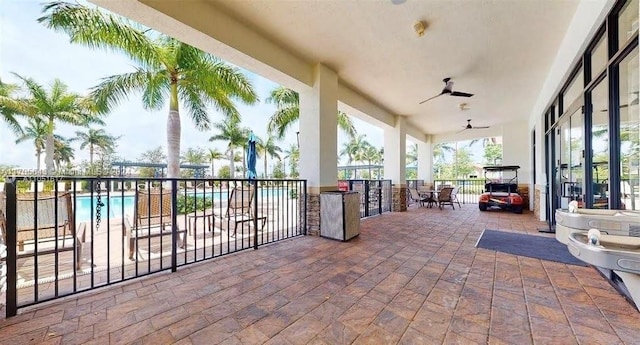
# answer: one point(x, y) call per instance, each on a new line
point(409, 278)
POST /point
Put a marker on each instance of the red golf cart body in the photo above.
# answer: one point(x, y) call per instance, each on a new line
point(501, 189)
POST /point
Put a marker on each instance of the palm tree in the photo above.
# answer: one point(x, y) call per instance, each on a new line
point(167, 69)
point(57, 105)
point(95, 139)
point(440, 149)
point(372, 156)
point(213, 155)
point(35, 130)
point(10, 107)
point(63, 152)
point(268, 148)
point(360, 144)
point(412, 155)
point(293, 154)
point(235, 137)
point(287, 102)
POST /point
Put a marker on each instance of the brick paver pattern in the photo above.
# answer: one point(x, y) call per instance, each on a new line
point(410, 278)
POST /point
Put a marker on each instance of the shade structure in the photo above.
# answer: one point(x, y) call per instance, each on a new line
point(251, 157)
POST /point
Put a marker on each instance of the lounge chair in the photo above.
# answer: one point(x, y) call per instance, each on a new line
point(36, 220)
point(240, 209)
point(444, 197)
point(454, 196)
point(416, 197)
point(152, 218)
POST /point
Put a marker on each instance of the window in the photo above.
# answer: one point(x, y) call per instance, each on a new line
point(627, 22)
point(600, 144)
point(599, 57)
point(630, 131)
point(574, 90)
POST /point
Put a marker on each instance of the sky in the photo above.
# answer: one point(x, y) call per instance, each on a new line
point(31, 50)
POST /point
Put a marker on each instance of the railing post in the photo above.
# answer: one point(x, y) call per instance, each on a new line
point(12, 257)
point(304, 186)
point(174, 225)
point(255, 213)
point(366, 197)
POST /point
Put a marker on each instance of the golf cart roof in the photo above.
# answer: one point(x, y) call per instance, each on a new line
point(501, 167)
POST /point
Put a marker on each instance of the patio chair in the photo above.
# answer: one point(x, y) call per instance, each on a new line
point(240, 208)
point(444, 197)
point(454, 196)
point(36, 220)
point(416, 197)
point(152, 218)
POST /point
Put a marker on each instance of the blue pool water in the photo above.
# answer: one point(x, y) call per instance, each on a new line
point(115, 204)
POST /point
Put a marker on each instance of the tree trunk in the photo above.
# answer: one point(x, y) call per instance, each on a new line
point(48, 157)
point(91, 155)
point(213, 172)
point(265, 165)
point(38, 154)
point(173, 144)
point(232, 166)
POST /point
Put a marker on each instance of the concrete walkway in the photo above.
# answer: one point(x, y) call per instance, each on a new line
point(409, 278)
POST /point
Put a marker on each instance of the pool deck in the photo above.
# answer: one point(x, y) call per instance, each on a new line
point(413, 277)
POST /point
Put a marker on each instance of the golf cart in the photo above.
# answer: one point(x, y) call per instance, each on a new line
point(501, 189)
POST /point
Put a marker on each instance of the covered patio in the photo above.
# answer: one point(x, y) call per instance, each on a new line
point(414, 277)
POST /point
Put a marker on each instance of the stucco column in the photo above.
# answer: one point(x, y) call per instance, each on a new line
point(395, 163)
point(319, 141)
point(425, 161)
point(516, 150)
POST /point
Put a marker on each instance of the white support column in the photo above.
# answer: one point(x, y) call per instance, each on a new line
point(425, 161)
point(395, 162)
point(319, 130)
point(319, 141)
point(395, 152)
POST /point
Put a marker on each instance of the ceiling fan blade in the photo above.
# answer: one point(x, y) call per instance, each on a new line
point(426, 100)
point(461, 94)
point(462, 130)
point(480, 127)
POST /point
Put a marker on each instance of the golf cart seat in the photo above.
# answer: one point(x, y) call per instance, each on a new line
point(501, 187)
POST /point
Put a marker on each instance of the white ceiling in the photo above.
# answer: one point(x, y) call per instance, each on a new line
point(499, 50)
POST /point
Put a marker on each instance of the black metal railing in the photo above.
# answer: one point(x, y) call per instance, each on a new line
point(469, 190)
point(65, 235)
point(375, 195)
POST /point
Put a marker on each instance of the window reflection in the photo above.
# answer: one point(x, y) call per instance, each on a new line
point(630, 131)
point(627, 21)
point(600, 145)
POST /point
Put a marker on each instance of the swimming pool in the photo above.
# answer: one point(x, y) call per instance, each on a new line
point(115, 204)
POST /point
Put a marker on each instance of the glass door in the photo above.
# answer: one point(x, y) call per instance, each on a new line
point(569, 149)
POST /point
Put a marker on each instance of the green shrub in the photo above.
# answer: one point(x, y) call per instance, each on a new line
point(293, 194)
point(23, 186)
point(191, 204)
point(48, 186)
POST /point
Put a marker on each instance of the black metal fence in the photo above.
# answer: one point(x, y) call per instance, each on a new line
point(469, 190)
point(67, 235)
point(375, 195)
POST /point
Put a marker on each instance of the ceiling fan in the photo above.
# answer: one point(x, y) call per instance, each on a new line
point(448, 89)
point(469, 126)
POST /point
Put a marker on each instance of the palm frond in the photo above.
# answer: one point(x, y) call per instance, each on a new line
point(94, 28)
point(346, 125)
point(196, 108)
point(283, 97)
point(112, 90)
point(281, 120)
point(156, 90)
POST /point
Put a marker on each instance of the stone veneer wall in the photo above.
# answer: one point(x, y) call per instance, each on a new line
point(399, 199)
point(536, 202)
point(313, 214)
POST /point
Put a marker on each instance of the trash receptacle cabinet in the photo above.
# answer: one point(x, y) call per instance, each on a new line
point(339, 215)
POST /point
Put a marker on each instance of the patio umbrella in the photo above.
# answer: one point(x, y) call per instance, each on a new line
point(251, 157)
